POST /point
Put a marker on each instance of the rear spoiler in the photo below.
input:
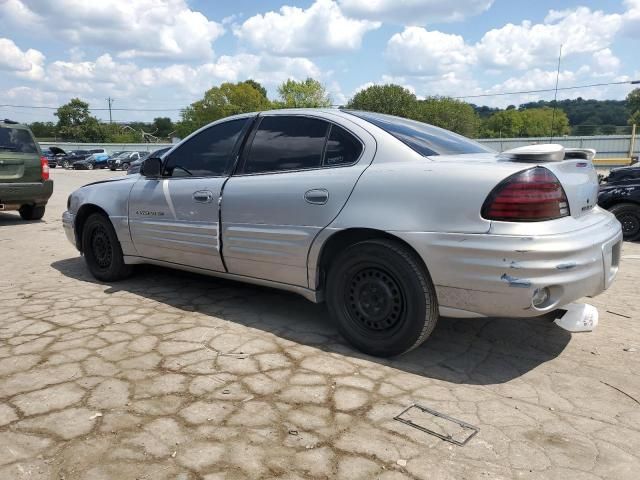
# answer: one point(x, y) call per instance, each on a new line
point(547, 152)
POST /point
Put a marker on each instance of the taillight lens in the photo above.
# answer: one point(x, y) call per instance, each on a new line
point(44, 168)
point(530, 196)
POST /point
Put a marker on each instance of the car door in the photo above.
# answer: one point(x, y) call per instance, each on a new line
point(295, 175)
point(175, 218)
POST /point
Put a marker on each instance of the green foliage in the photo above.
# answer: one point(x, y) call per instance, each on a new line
point(257, 86)
point(390, 99)
point(448, 113)
point(219, 102)
point(43, 129)
point(633, 105)
point(162, 127)
point(76, 123)
point(532, 122)
point(308, 93)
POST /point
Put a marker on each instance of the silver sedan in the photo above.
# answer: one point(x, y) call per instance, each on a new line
point(392, 222)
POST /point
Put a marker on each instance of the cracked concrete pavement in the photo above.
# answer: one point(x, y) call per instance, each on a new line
point(173, 375)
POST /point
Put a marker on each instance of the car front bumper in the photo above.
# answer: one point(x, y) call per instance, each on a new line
point(68, 224)
point(497, 275)
point(37, 193)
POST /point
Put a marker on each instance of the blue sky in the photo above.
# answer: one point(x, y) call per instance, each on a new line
point(156, 56)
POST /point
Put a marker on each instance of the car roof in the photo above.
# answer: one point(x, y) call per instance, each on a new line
point(6, 123)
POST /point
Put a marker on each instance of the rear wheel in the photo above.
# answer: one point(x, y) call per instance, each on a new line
point(125, 166)
point(102, 250)
point(31, 212)
point(628, 214)
point(89, 166)
point(382, 297)
point(66, 164)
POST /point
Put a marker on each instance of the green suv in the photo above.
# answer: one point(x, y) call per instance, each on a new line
point(24, 173)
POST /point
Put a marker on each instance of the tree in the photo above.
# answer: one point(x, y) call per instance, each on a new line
point(257, 86)
point(162, 126)
point(448, 113)
point(532, 122)
point(633, 105)
point(308, 93)
point(219, 102)
point(76, 123)
point(43, 129)
point(503, 124)
point(390, 99)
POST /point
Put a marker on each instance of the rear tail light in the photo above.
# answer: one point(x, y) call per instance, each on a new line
point(44, 168)
point(530, 196)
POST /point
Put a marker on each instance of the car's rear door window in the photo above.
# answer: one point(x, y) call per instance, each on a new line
point(17, 140)
point(342, 148)
point(208, 153)
point(285, 143)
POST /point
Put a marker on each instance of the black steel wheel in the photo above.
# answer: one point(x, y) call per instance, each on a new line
point(382, 297)
point(102, 251)
point(628, 214)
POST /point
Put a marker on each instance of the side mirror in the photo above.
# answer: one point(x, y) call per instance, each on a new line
point(151, 167)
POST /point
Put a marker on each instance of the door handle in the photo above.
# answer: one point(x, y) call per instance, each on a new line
point(317, 196)
point(203, 196)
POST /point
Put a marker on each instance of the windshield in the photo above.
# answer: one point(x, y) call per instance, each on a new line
point(425, 139)
point(123, 155)
point(17, 140)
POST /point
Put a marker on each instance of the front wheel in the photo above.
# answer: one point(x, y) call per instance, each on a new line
point(31, 212)
point(382, 297)
point(628, 214)
point(125, 166)
point(66, 164)
point(102, 251)
point(89, 166)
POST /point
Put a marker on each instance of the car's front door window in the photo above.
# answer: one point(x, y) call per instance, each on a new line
point(207, 154)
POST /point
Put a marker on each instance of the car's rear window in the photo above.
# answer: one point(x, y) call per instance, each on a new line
point(425, 139)
point(16, 140)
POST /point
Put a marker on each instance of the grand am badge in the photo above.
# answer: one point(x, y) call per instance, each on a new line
point(147, 213)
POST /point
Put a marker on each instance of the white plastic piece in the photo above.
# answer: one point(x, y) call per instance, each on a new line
point(580, 317)
point(547, 152)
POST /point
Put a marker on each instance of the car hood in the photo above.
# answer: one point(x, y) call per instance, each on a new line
point(110, 180)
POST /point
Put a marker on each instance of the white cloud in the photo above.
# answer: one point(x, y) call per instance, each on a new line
point(527, 45)
point(166, 29)
point(414, 12)
point(605, 62)
point(27, 64)
point(631, 21)
point(417, 51)
point(321, 29)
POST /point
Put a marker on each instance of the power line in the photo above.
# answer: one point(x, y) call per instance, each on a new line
point(98, 109)
point(575, 87)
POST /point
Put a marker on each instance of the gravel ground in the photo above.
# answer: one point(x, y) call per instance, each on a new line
point(173, 375)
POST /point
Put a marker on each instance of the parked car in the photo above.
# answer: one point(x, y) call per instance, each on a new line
point(624, 173)
point(77, 155)
point(24, 172)
point(390, 221)
point(623, 200)
point(53, 156)
point(95, 160)
point(124, 160)
point(135, 166)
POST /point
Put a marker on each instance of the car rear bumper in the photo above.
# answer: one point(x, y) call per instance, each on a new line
point(497, 275)
point(37, 193)
point(68, 224)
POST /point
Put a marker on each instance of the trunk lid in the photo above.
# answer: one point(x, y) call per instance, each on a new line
point(19, 155)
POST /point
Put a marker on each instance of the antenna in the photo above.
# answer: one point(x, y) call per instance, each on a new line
point(555, 97)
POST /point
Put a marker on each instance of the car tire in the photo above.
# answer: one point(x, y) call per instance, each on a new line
point(102, 251)
point(89, 166)
point(628, 214)
point(382, 297)
point(31, 212)
point(66, 164)
point(125, 166)
point(112, 169)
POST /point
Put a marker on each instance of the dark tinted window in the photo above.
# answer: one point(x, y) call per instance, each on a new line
point(342, 148)
point(287, 143)
point(424, 139)
point(16, 140)
point(208, 154)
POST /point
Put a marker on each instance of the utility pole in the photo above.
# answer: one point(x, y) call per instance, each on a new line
point(109, 102)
